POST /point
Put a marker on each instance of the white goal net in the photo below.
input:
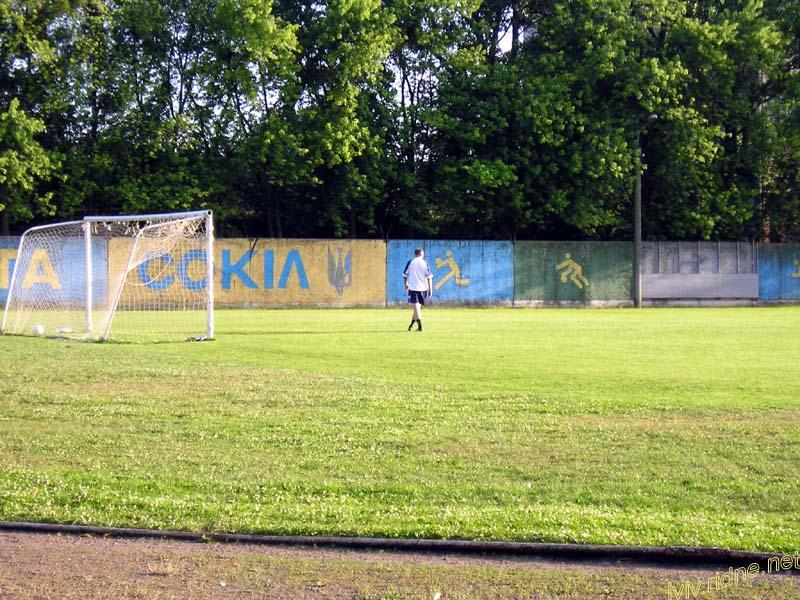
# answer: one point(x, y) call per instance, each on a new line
point(140, 278)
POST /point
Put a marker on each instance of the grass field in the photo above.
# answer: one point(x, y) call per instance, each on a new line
point(657, 427)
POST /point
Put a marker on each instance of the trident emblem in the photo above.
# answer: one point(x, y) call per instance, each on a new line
point(340, 269)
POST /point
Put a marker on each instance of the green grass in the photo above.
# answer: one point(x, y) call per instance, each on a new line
point(667, 426)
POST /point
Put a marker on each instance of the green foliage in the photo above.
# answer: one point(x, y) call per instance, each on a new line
point(23, 164)
point(735, 58)
point(456, 118)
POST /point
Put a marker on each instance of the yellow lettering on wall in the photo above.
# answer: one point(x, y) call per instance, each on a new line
point(5, 276)
point(41, 270)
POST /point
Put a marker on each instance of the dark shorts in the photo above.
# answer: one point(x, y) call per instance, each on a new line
point(416, 297)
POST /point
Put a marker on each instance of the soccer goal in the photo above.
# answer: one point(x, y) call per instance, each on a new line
point(141, 278)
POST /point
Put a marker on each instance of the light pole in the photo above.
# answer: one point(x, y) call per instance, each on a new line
point(637, 218)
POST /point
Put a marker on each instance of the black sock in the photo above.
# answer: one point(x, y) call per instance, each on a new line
point(419, 324)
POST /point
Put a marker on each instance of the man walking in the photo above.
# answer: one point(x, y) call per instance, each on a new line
point(418, 281)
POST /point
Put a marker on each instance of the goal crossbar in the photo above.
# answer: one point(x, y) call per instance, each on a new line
point(154, 217)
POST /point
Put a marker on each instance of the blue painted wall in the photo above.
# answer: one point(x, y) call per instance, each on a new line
point(67, 282)
point(8, 253)
point(485, 270)
point(779, 272)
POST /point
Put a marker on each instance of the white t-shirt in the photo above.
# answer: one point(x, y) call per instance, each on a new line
point(417, 273)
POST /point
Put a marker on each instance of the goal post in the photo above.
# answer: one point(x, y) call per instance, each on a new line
point(142, 277)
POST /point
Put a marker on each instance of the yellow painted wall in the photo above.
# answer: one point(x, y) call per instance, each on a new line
point(269, 272)
point(301, 272)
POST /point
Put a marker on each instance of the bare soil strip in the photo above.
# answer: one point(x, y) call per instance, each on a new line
point(71, 566)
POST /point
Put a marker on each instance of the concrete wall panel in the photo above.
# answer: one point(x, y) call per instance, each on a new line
point(709, 258)
point(464, 272)
point(700, 286)
point(573, 272)
point(779, 272)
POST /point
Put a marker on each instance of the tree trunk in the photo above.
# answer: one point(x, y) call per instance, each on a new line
point(494, 43)
point(516, 25)
point(270, 229)
point(265, 191)
point(766, 230)
point(95, 119)
point(278, 224)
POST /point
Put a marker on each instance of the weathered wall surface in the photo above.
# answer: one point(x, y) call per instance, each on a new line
point(779, 272)
point(699, 270)
point(464, 272)
point(334, 273)
point(56, 274)
point(8, 255)
point(301, 273)
point(580, 273)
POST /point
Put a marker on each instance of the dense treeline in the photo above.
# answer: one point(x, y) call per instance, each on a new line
point(438, 118)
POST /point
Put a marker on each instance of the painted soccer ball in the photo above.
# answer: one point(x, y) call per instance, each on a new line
point(38, 330)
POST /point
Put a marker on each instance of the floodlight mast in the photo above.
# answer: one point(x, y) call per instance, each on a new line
point(637, 217)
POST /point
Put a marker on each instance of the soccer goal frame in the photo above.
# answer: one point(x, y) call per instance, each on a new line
point(136, 233)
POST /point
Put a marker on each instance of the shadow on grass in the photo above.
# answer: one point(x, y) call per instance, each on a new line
point(261, 332)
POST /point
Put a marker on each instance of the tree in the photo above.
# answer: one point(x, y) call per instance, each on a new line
point(734, 55)
point(23, 164)
point(780, 181)
point(26, 68)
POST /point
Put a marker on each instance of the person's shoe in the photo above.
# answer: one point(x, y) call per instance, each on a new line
point(410, 326)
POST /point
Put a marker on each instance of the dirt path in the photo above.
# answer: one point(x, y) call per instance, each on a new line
point(64, 566)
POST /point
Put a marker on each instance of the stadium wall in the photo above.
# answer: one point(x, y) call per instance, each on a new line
point(60, 281)
point(700, 273)
point(338, 273)
point(8, 256)
point(573, 273)
point(285, 272)
point(301, 272)
point(464, 272)
point(779, 273)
